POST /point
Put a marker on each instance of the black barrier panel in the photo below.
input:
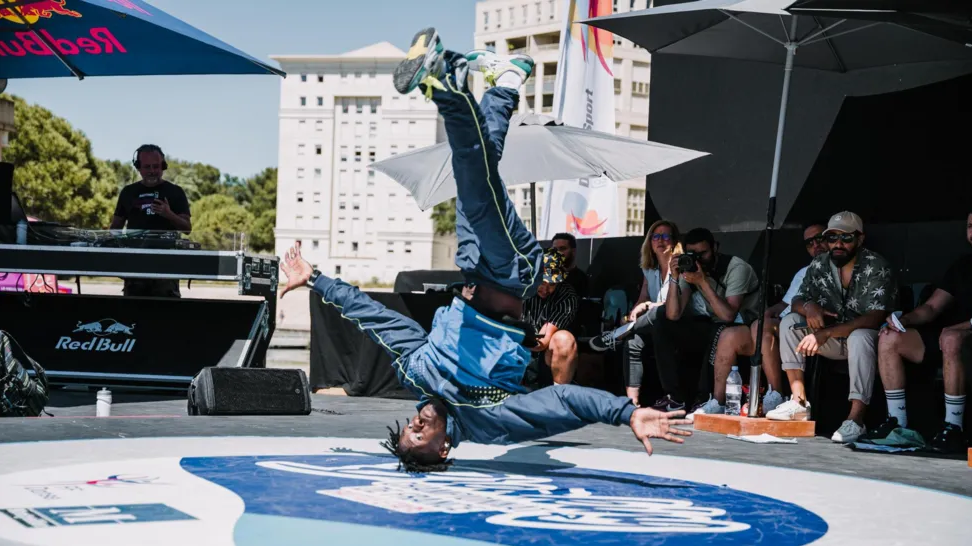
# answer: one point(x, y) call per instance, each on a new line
point(116, 262)
point(150, 339)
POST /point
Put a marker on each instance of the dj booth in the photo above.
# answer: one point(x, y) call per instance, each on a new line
point(141, 342)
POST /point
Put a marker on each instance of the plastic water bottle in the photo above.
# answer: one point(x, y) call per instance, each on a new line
point(733, 392)
point(21, 232)
point(104, 403)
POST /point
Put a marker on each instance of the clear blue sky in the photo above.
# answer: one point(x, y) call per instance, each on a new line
point(231, 121)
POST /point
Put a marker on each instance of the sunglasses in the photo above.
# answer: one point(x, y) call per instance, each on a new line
point(661, 237)
point(816, 239)
point(842, 237)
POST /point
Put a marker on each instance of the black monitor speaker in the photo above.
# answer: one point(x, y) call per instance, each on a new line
point(6, 195)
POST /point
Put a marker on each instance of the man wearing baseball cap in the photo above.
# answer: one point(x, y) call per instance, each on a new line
point(842, 302)
point(551, 311)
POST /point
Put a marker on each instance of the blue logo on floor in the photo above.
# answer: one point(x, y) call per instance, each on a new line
point(504, 502)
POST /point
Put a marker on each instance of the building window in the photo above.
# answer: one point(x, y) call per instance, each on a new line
point(371, 155)
point(639, 88)
point(318, 126)
point(394, 149)
point(300, 149)
point(553, 8)
point(345, 104)
point(300, 172)
point(318, 150)
point(371, 177)
point(301, 124)
point(372, 74)
point(303, 77)
point(617, 86)
point(303, 101)
point(344, 154)
point(299, 222)
point(315, 244)
point(374, 105)
point(355, 206)
point(354, 246)
point(491, 46)
point(485, 20)
point(357, 156)
point(320, 78)
point(499, 20)
point(359, 106)
point(357, 74)
point(337, 270)
point(372, 129)
point(341, 206)
point(300, 197)
point(408, 247)
point(317, 173)
point(525, 14)
point(317, 196)
point(391, 247)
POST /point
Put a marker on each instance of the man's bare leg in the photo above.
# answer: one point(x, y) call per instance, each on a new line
point(893, 349)
point(772, 363)
point(561, 356)
point(733, 343)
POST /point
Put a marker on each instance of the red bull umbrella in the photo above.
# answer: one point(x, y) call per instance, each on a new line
point(80, 38)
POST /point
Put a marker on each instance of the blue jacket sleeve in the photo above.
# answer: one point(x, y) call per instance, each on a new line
point(546, 412)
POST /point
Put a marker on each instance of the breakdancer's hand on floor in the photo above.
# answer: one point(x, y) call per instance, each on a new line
point(296, 268)
point(649, 423)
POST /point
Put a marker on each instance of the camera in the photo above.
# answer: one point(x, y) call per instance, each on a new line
point(688, 263)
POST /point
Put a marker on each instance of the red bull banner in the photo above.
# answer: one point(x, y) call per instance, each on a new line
point(584, 97)
point(93, 40)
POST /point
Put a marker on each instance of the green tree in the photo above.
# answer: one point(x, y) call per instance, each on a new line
point(125, 173)
point(259, 194)
point(218, 220)
point(57, 177)
point(444, 217)
point(197, 179)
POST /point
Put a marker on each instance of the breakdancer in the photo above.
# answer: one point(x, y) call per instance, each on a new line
point(467, 372)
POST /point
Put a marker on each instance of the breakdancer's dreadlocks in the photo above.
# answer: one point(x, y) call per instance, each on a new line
point(411, 462)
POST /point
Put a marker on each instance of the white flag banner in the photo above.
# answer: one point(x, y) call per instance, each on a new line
point(584, 97)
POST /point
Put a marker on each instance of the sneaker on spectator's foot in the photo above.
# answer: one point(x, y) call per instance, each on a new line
point(848, 432)
point(709, 407)
point(791, 410)
point(422, 62)
point(951, 439)
point(493, 66)
point(668, 404)
point(608, 340)
point(771, 401)
point(884, 429)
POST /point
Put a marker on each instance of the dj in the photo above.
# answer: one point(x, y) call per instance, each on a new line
point(468, 371)
point(153, 204)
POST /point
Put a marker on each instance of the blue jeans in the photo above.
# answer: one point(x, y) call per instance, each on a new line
point(495, 248)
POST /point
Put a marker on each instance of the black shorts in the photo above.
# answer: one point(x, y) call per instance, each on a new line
point(930, 334)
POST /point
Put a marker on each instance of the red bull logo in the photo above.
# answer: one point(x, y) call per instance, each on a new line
point(34, 11)
point(102, 331)
point(93, 41)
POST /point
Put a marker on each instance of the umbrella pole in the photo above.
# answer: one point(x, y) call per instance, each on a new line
point(533, 207)
point(757, 360)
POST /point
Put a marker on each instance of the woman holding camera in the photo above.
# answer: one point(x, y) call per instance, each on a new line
point(657, 251)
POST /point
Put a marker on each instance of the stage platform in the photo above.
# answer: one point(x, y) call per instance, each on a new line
point(150, 474)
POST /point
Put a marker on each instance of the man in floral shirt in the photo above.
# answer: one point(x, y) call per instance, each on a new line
point(843, 301)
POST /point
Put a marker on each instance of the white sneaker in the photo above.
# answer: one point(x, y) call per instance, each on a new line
point(493, 65)
point(771, 401)
point(711, 407)
point(791, 410)
point(848, 432)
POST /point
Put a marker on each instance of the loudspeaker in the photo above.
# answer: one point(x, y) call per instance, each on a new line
point(249, 391)
point(6, 194)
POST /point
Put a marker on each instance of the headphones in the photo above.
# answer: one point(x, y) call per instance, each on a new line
point(148, 148)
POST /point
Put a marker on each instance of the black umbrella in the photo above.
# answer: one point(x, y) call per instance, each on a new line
point(763, 31)
point(947, 19)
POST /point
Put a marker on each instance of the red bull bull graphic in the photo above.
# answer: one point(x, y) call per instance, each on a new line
point(92, 41)
point(34, 11)
point(104, 332)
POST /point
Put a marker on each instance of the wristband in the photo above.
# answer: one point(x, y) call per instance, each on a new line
point(313, 278)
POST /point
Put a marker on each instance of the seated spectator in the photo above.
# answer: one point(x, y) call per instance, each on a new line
point(935, 330)
point(813, 241)
point(550, 312)
point(566, 245)
point(723, 290)
point(842, 302)
point(656, 254)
